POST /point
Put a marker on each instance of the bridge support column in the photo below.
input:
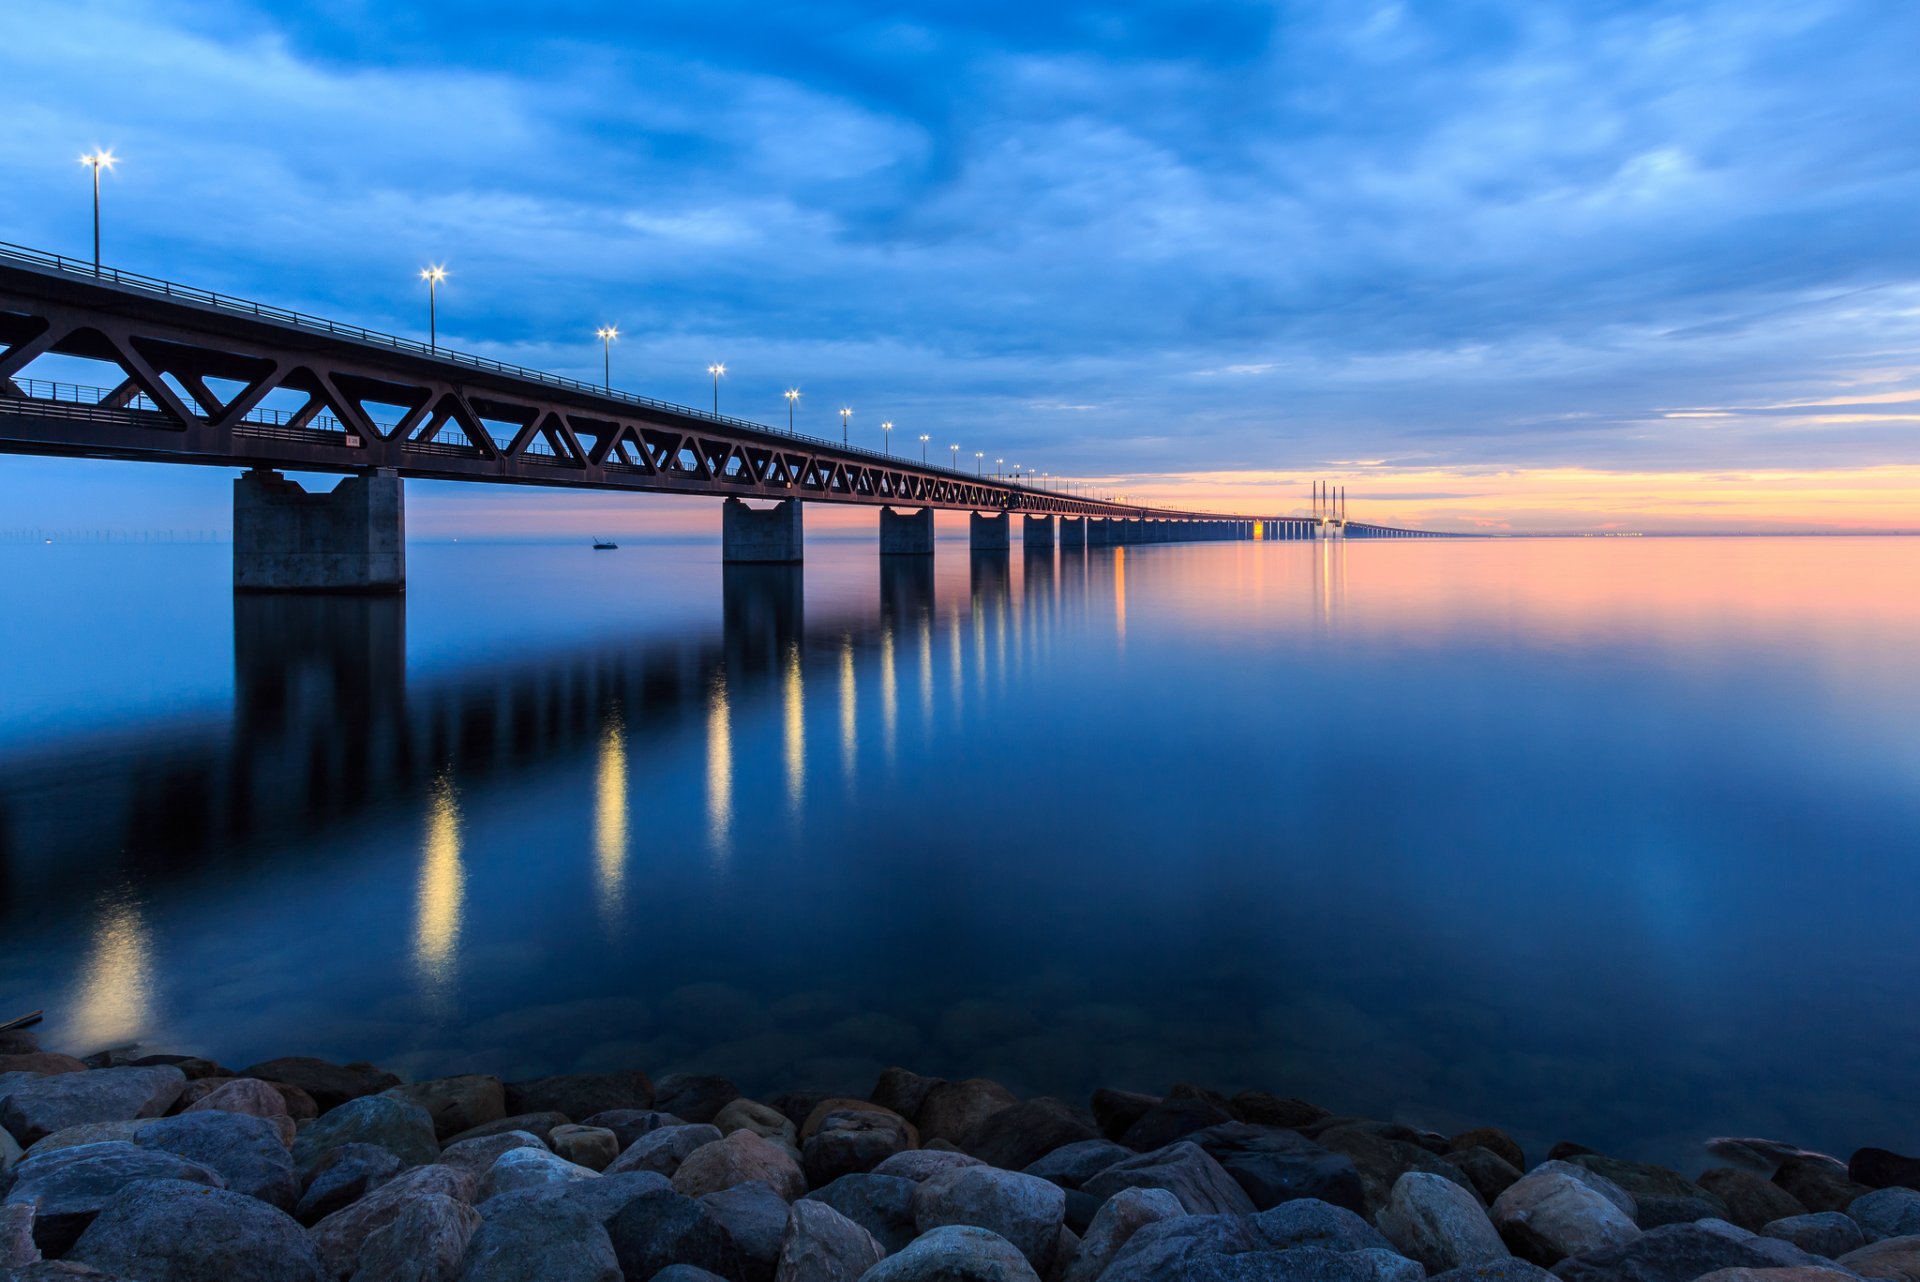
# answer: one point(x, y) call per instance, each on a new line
point(764, 536)
point(1102, 532)
point(1073, 533)
point(1037, 533)
point(989, 531)
point(353, 539)
point(906, 533)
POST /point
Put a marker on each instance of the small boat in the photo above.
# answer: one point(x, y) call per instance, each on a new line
point(604, 545)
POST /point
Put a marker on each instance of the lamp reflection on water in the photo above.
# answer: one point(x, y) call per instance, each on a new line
point(1120, 596)
point(610, 820)
point(114, 1002)
point(441, 893)
point(719, 767)
point(849, 708)
point(889, 692)
point(794, 696)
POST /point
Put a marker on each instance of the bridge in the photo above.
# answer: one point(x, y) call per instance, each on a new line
point(195, 371)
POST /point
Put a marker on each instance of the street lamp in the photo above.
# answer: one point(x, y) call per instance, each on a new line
point(979, 462)
point(606, 334)
point(716, 369)
point(956, 457)
point(924, 438)
point(97, 159)
point(433, 276)
point(846, 413)
point(793, 394)
point(886, 438)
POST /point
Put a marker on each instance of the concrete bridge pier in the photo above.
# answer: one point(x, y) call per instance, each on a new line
point(989, 531)
point(1102, 532)
point(906, 533)
point(760, 536)
point(1037, 533)
point(352, 539)
point(1073, 533)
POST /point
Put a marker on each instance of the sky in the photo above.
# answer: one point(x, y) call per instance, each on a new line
point(1534, 265)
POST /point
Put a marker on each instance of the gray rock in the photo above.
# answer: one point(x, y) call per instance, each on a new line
point(89, 1133)
point(663, 1228)
point(1275, 1165)
point(456, 1104)
point(401, 1128)
point(852, 1141)
point(580, 1095)
point(880, 1204)
point(344, 1176)
point(663, 1150)
point(695, 1097)
point(1754, 1154)
point(48, 1104)
point(1488, 1172)
point(952, 1109)
point(538, 1125)
point(1820, 1183)
point(1024, 1209)
point(924, 1163)
point(243, 1149)
point(1305, 1222)
point(1823, 1273)
point(1644, 1181)
point(1119, 1218)
point(424, 1243)
point(903, 1092)
point(1751, 1200)
point(1495, 1141)
point(1317, 1264)
point(339, 1237)
point(1897, 1258)
point(69, 1186)
point(1173, 1119)
point(737, 1159)
point(176, 1231)
point(629, 1124)
point(1380, 1161)
point(822, 1245)
point(688, 1273)
point(593, 1147)
point(526, 1168)
point(755, 1217)
point(249, 1097)
point(1015, 1137)
point(1827, 1233)
point(1435, 1221)
point(955, 1253)
point(1072, 1165)
point(598, 1199)
point(541, 1243)
point(330, 1085)
point(1885, 1213)
point(477, 1156)
point(1183, 1169)
point(1192, 1248)
point(1504, 1270)
point(1682, 1253)
point(17, 1247)
point(1556, 1211)
point(1655, 1210)
point(10, 1151)
point(764, 1120)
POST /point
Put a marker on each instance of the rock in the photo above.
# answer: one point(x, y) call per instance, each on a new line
point(248, 1097)
point(344, 1176)
point(1827, 1233)
point(1435, 1221)
point(1495, 1141)
point(542, 1243)
point(955, 1253)
point(18, 1041)
point(1885, 1213)
point(1219, 1248)
point(1275, 1165)
point(1895, 1257)
point(1819, 1183)
point(1380, 1162)
point(1502, 1270)
point(60, 1100)
point(1115, 1111)
point(1305, 1222)
point(1877, 1168)
point(177, 1231)
point(798, 1106)
point(661, 1228)
point(1654, 1211)
point(736, 1159)
point(1565, 1149)
point(600, 1198)
point(1072, 1165)
point(694, 1097)
point(1761, 1155)
point(1645, 1181)
point(952, 1109)
point(1183, 1169)
point(1683, 1252)
point(580, 1095)
point(69, 1186)
point(1750, 1200)
point(849, 1141)
point(329, 1085)
point(1118, 1219)
point(1556, 1211)
point(816, 1116)
point(1806, 1274)
point(194, 1066)
point(924, 1164)
point(593, 1147)
point(1013, 1138)
point(401, 1128)
point(339, 1237)
point(880, 1204)
point(424, 1243)
point(43, 1063)
point(629, 1124)
point(456, 1104)
point(1264, 1109)
point(821, 1245)
point(10, 1154)
point(17, 1247)
point(663, 1150)
point(764, 1120)
point(688, 1273)
point(1488, 1172)
point(1024, 1209)
point(755, 1218)
point(244, 1150)
point(89, 1133)
point(903, 1092)
point(1170, 1120)
point(526, 1168)
point(538, 1125)
point(477, 1156)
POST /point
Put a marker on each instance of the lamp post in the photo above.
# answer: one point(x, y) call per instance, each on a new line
point(886, 438)
point(97, 159)
point(924, 438)
point(793, 394)
point(433, 276)
point(606, 334)
point(998, 465)
point(956, 457)
point(716, 369)
point(979, 462)
point(846, 414)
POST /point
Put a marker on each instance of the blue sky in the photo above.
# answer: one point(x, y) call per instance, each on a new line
point(1210, 248)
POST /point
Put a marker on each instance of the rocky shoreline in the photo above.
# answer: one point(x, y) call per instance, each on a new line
point(162, 1168)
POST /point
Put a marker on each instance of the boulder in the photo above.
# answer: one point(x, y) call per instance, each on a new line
point(663, 1150)
point(1754, 1154)
point(1807, 1274)
point(1017, 1136)
point(1750, 1200)
point(1887, 1212)
point(1262, 1108)
point(1827, 1233)
point(755, 1218)
point(1072, 1165)
point(952, 1109)
point(1380, 1161)
point(17, 1247)
point(1184, 1170)
point(52, 1103)
point(821, 1245)
point(1118, 1219)
point(1275, 1165)
point(247, 1096)
point(179, 1231)
point(764, 1120)
point(10, 1154)
point(1654, 1211)
point(1877, 1168)
point(401, 1128)
point(629, 1124)
point(955, 1253)
point(600, 1199)
point(880, 1204)
point(1115, 1111)
point(477, 1156)
point(850, 1141)
point(1556, 1211)
point(1308, 1223)
point(328, 1085)
point(339, 1237)
point(1221, 1248)
point(69, 1186)
point(1819, 1183)
point(661, 1228)
point(694, 1097)
point(1645, 1181)
point(88, 1133)
point(688, 1273)
point(1505, 1270)
point(1897, 1258)
point(580, 1095)
point(1171, 1120)
point(42, 1063)
point(1495, 1141)
point(456, 1104)
point(737, 1159)
point(344, 1176)
point(823, 1108)
point(924, 1164)
point(538, 1125)
point(1682, 1253)
point(903, 1092)
point(243, 1149)
point(1024, 1209)
point(527, 1168)
point(1435, 1221)
point(424, 1243)
point(1488, 1172)
point(593, 1147)
point(542, 1243)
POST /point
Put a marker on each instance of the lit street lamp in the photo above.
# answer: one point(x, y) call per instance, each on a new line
point(433, 276)
point(886, 438)
point(979, 462)
point(956, 457)
point(998, 464)
point(846, 413)
point(716, 369)
point(606, 334)
point(97, 159)
point(793, 394)
point(924, 438)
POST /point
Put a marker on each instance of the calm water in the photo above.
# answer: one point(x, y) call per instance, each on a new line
point(1608, 840)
